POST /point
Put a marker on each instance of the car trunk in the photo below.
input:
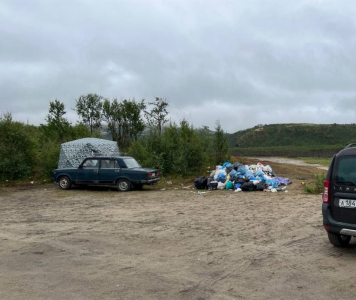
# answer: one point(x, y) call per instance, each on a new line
point(343, 190)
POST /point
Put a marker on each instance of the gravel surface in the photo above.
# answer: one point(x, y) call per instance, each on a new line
point(97, 243)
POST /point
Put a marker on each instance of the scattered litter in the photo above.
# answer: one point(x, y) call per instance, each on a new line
point(176, 188)
point(238, 190)
point(169, 182)
point(32, 182)
point(163, 189)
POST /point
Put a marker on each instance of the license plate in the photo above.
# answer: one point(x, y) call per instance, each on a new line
point(347, 203)
point(153, 174)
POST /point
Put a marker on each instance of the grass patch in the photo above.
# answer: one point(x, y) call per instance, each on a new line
point(316, 160)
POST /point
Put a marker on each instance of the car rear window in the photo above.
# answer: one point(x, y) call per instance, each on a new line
point(131, 163)
point(346, 170)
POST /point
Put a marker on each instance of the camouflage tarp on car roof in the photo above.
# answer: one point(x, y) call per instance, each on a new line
point(72, 153)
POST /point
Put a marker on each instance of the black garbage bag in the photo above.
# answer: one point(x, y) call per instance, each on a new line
point(260, 186)
point(201, 183)
point(248, 186)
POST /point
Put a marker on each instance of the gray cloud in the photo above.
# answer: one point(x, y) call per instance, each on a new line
point(242, 62)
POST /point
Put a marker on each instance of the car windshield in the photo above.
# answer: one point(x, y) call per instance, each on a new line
point(346, 170)
point(131, 163)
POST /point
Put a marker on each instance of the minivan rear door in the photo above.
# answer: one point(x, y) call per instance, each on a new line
point(343, 190)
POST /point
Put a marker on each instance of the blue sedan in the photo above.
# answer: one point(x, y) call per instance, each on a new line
point(124, 172)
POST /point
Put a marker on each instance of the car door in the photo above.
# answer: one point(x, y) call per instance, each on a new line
point(109, 170)
point(343, 190)
point(88, 173)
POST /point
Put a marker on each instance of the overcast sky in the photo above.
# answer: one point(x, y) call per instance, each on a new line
point(243, 62)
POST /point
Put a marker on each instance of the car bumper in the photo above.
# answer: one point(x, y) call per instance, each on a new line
point(334, 226)
point(150, 181)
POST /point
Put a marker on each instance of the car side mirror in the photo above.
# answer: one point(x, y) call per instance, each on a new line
point(80, 167)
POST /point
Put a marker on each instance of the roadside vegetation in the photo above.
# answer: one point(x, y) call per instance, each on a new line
point(317, 186)
point(29, 152)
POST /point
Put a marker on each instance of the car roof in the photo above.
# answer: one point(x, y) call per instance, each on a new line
point(109, 157)
point(348, 150)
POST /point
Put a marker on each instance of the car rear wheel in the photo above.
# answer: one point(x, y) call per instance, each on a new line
point(123, 185)
point(64, 183)
point(339, 240)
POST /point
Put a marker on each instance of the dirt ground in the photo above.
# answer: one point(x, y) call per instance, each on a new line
point(285, 160)
point(97, 243)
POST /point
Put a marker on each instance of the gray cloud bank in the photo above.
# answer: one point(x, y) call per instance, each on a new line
point(242, 62)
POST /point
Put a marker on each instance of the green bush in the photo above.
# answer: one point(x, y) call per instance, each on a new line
point(317, 186)
point(177, 150)
point(17, 149)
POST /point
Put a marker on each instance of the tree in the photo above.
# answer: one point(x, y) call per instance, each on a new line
point(124, 120)
point(221, 144)
point(55, 119)
point(89, 107)
point(157, 117)
point(132, 114)
point(112, 115)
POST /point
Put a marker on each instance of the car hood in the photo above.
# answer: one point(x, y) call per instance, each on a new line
point(64, 170)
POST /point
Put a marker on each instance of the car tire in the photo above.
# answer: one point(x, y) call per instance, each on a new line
point(123, 185)
point(339, 240)
point(64, 183)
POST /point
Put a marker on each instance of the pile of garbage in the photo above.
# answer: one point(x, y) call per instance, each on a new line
point(242, 178)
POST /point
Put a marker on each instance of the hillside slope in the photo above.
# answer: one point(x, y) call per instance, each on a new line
point(277, 135)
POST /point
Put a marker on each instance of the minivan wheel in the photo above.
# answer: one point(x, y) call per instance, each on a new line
point(339, 240)
point(64, 183)
point(123, 185)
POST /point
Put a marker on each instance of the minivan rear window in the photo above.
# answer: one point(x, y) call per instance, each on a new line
point(346, 170)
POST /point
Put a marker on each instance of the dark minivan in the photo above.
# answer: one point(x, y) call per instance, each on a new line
point(339, 198)
point(122, 171)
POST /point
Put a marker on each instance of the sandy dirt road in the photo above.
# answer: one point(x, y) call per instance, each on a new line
point(98, 243)
point(291, 161)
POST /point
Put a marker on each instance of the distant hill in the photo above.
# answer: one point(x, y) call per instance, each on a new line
point(294, 135)
point(276, 138)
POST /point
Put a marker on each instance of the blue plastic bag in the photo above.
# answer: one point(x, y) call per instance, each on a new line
point(237, 185)
point(221, 178)
point(233, 174)
point(241, 170)
point(249, 174)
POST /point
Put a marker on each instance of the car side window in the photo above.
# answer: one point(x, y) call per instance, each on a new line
point(108, 164)
point(91, 164)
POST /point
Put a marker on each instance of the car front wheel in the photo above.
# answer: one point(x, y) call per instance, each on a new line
point(123, 185)
point(339, 240)
point(64, 183)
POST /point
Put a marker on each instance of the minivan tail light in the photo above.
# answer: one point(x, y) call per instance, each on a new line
point(157, 173)
point(326, 195)
point(149, 174)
